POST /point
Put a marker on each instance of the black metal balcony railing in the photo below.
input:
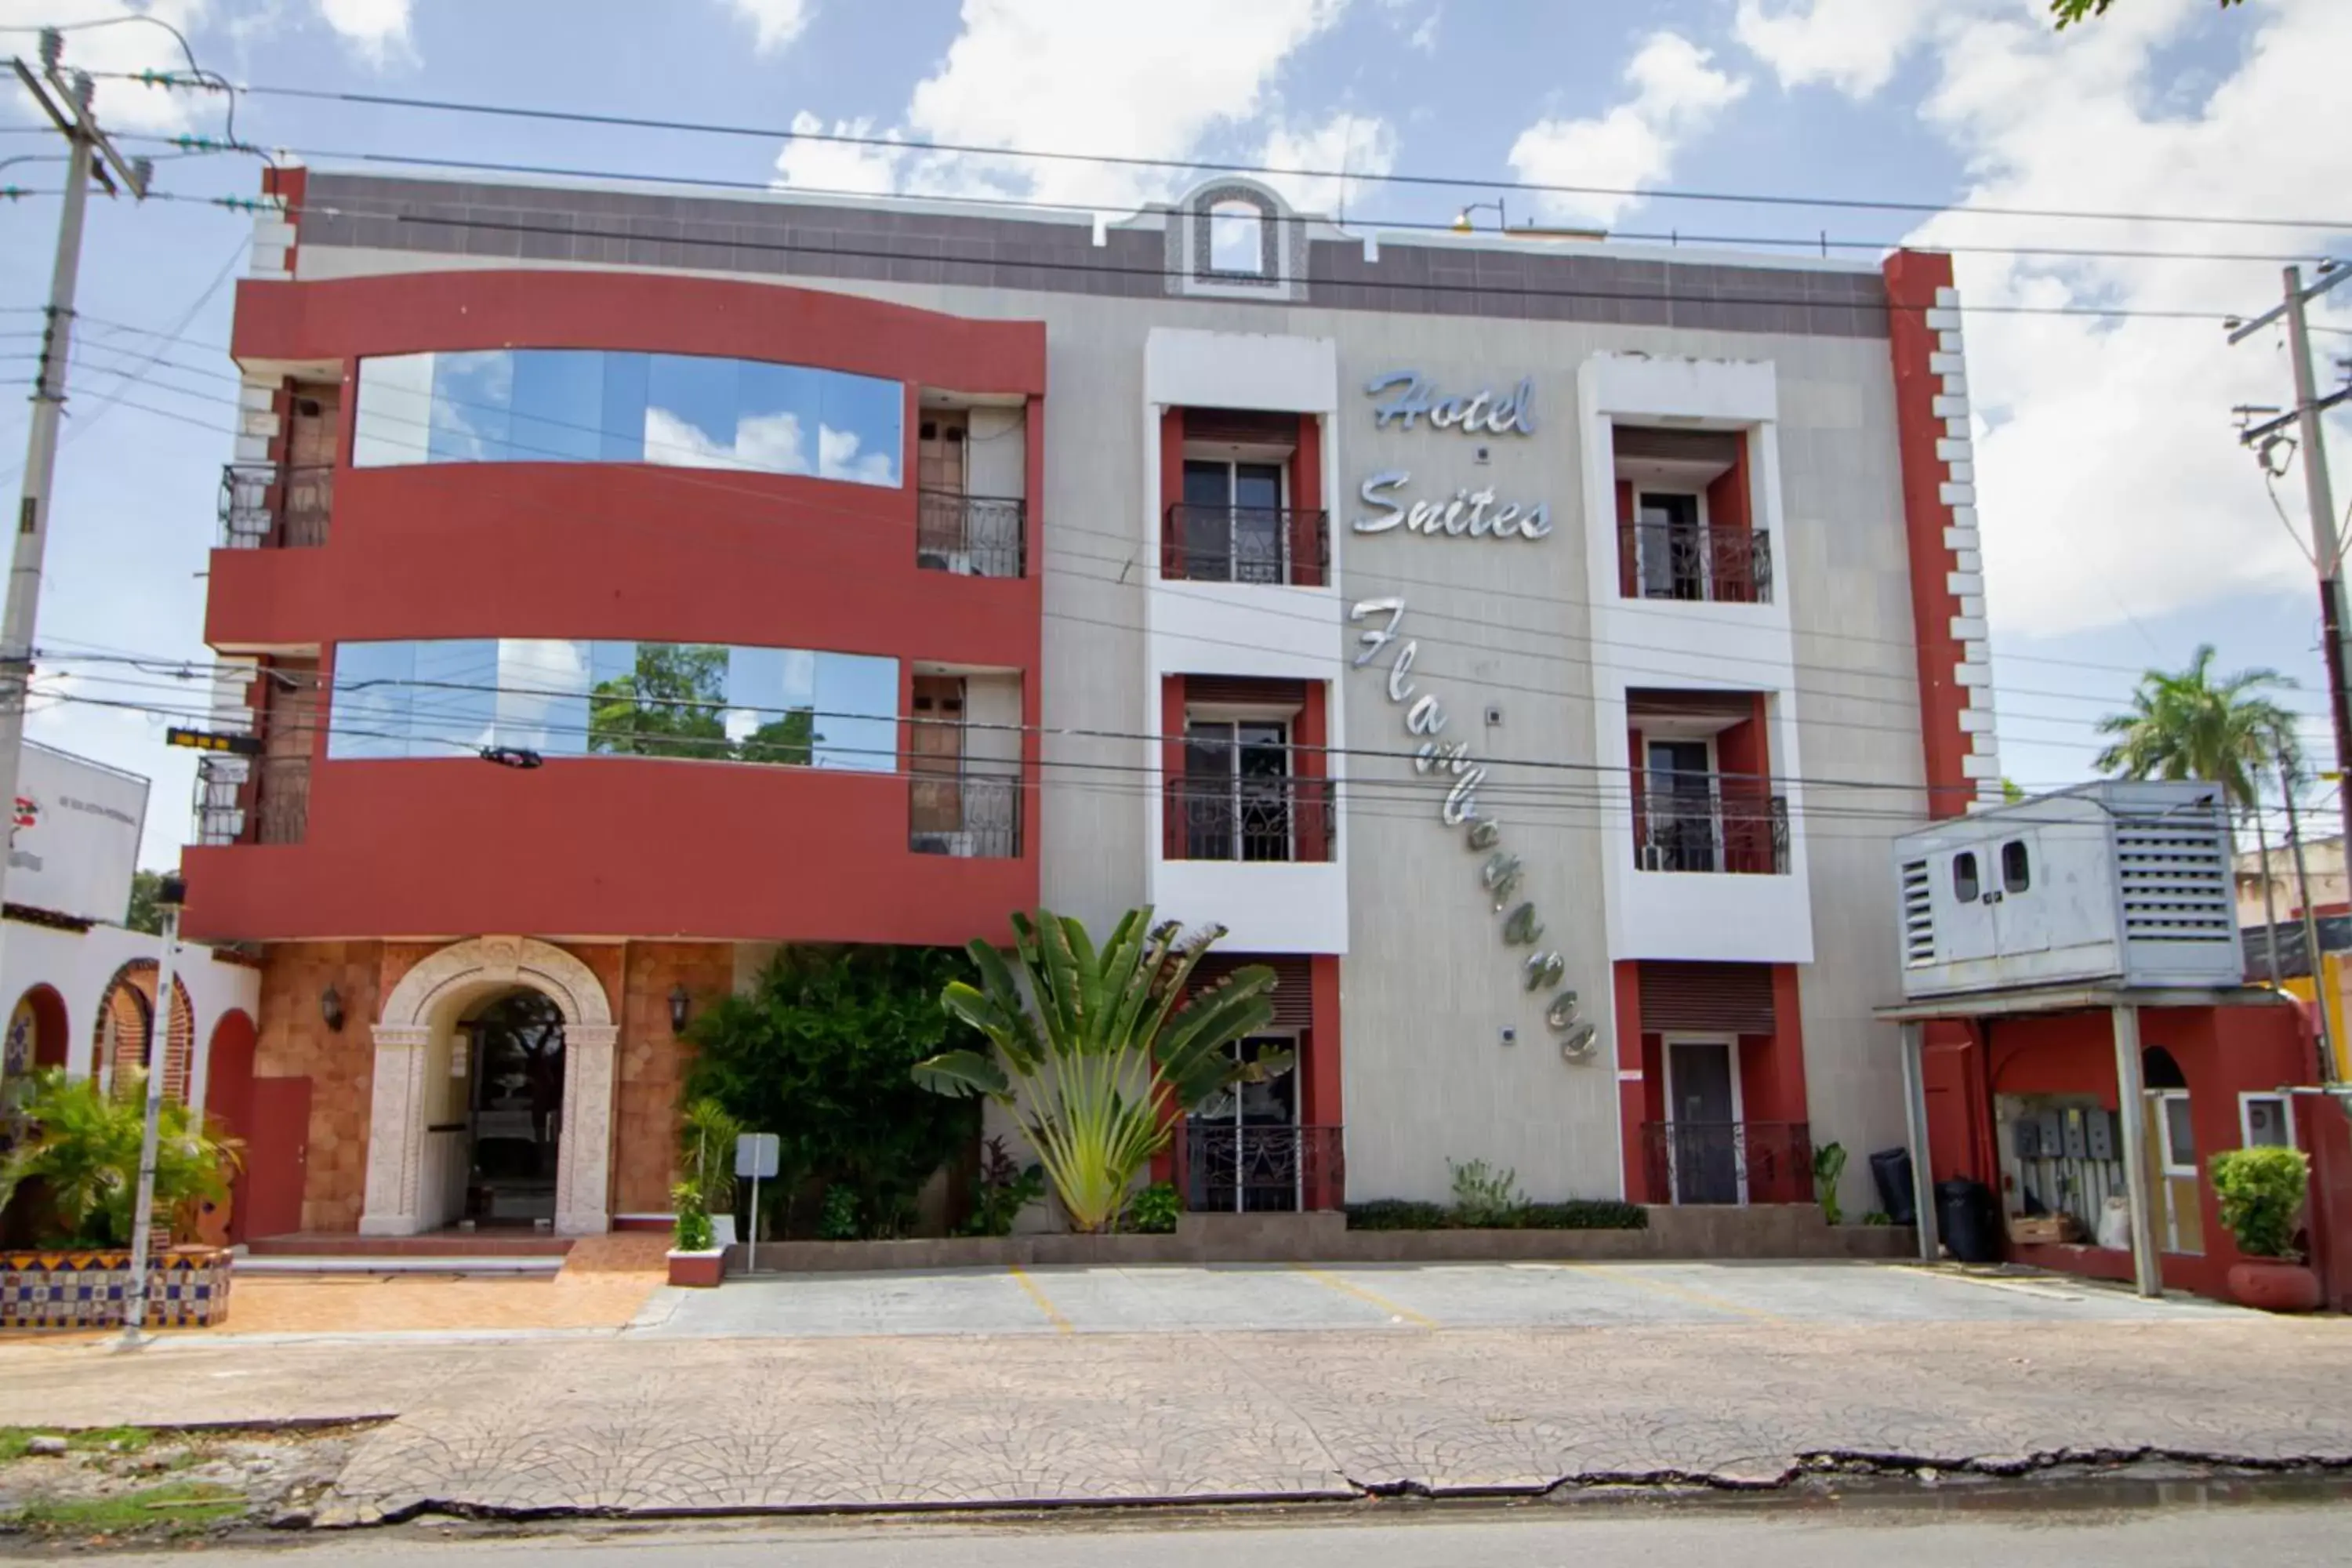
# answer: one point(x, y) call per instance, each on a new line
point(1728, 1161)
point(1222, 1168)
point(971, 816)
point(1683, 561)
point(1246, 545)
point(1743, 836)
point(252, 800)
point(266, 506)
point(974, 536)
point(1256, 819)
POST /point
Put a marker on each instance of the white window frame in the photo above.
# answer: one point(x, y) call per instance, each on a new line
point(1730, 1043)
point(2246, 1122)
point(2158, 1099)
point(1714, 787)
point(1231, 458)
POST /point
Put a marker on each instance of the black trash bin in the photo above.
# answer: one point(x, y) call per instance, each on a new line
point(1891, 1169)
point(1965, 1211)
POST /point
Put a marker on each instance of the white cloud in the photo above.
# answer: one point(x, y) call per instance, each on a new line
point(2109, 478)
point(1851, 44)
point(1358, 144)
point(376, 29)
point(130, 47)
point(1081, 76)
point(837, 457)
point(835, 165)
point(1677, 93)
point(766, 443)
point(776, 25)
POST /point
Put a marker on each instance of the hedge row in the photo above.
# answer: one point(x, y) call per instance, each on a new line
point(1577, 1213)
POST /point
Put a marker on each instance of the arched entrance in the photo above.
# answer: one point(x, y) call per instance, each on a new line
point(126, 1020)
point(229, 1100)
point(36, 1034)
point(502, 1035)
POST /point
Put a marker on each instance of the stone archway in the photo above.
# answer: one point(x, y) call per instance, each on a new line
point(426, 1002)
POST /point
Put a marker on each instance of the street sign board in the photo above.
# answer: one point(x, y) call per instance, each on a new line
point(74, 840)
point(211, 740)
point(756, 1155)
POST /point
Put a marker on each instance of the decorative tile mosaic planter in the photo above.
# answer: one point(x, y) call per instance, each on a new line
point(83, 1288)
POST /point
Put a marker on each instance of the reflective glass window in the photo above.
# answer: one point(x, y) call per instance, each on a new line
point(454, 707)
point(473, 402)
point(590, 405)
point(857, 712)
point(542, 698)
point(367, 714)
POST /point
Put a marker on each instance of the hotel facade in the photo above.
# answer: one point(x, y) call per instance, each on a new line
point(1527, 646)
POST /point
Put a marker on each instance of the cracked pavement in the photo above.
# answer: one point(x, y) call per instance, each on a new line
point(630, 1423)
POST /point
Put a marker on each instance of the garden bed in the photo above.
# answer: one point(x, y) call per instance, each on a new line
point(70, 1287)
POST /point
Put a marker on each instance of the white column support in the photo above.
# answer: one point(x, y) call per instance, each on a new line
point(395, 1131)
point(2131, 1100)
point(1915, 1128)
point(583, 1153)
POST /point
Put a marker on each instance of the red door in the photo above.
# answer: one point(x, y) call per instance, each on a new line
point(277, 1154)
point(229, 1100)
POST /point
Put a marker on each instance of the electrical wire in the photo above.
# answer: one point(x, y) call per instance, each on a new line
point(1195, 165)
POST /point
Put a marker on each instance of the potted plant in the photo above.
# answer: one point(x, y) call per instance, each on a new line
point(2261, 1191)
point(695, 1256)
point(705, 1152)
point(83, 1146)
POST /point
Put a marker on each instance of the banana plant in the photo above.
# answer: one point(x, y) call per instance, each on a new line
point(1098, 1051)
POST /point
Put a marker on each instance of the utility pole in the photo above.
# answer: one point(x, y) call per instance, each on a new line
point(168, 900)
point(2326, 547)
point(89, 156)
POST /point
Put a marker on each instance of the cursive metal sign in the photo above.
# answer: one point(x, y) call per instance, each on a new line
point(1483, 413)
point(1449, 762)
point(1465, 516)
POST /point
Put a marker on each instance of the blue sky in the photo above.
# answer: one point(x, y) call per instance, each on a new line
point(2123, 524)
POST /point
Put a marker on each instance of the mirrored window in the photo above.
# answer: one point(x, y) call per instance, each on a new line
point(561, 697)
point(561, 405)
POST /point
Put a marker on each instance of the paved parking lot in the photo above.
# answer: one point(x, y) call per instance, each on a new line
point(1443, 1296)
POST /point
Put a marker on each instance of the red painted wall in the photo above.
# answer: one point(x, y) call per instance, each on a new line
point(1637, 1084)
point(608, 846)
point(1912, 279)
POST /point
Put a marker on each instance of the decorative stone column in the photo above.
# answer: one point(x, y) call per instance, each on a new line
point(583, 1157)
point(395, 1131)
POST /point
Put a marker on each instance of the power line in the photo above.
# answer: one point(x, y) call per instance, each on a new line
point(1442, 182)
point(1671, 238)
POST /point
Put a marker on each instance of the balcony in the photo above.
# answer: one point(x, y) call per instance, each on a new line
point(1276, 545)
point(252, 800)
point(1224, 1168)
point(969, 816)
point(1728, 830)
point(1728, 1161)
point(1259, 820)
point(971, 536)
point(270, 506)
point(1694, 563)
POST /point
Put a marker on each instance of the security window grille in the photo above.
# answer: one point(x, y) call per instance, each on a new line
point(1237, 790)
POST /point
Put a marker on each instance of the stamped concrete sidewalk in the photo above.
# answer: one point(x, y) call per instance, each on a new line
point(616, 1422)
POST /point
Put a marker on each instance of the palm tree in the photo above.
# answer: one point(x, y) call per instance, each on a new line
point(2186, 725)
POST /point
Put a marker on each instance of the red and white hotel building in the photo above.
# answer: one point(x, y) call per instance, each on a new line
point(1527, 646)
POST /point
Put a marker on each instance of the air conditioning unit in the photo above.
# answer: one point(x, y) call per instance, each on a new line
point(2117, 882)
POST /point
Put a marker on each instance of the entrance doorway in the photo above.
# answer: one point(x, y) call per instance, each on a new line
point(1703, 1122)
point(512, 1053)
point(1242, 1144)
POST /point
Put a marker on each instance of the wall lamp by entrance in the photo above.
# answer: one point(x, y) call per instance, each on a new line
point(678, 1002)
point(330, 1009)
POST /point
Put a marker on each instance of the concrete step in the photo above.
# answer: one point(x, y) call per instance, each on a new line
point(250, 1264)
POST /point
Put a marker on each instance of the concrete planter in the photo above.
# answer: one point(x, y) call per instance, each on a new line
point(84, 1287)
point(1768, 1231)
point(2273, 1285)
point(701, 1270)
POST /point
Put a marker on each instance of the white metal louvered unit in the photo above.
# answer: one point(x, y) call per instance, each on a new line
point(2120, 882)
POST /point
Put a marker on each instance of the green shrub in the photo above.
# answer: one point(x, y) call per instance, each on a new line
point(1484, 1197)
point(1828, 1169)
point(2261, 1191)
point(1006, 1187)
point(1583, 1213)
point(1153, 1211)
point(1398, 1214)
point(85, 1141)
point(839, 1220)
point(693, 1221)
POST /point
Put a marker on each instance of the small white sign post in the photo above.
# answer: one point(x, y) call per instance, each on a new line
point(756, 1155)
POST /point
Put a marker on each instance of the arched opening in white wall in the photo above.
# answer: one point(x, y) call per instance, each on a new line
point(36, 1034)
point(1237, 237)
point(126, 1015)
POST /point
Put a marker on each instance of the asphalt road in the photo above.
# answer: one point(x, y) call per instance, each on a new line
point(2059, 1533)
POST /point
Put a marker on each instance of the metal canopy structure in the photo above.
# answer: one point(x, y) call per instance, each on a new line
point(2121, 1003)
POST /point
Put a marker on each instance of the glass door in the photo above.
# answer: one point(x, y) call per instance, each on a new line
point(1672, 547)
point(1242, 1144)
point(1237, 789)
point(1681, 807)
point(1233, 529)
point(1703, 1122)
